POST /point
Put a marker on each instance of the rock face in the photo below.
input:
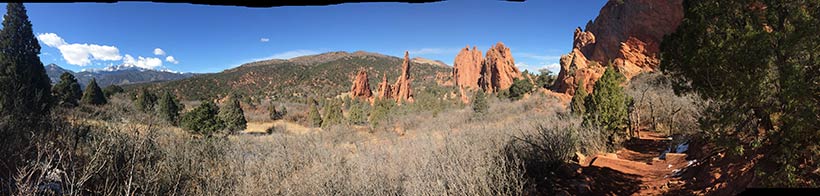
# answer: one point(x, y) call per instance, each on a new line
point(361, 86)
point(467, 68)
point(627, 33)
point(491, 73)
point(401, 89)
point(498, 70)
point(385, 91)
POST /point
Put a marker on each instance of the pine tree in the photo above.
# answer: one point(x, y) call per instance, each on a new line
point(146, 100)
point(519, 88)
point(67, 92)
point(25, 89)
point(112, 90)
point(480, 105)
point(314, 117)
point(357, 114)
point(232, 115)
point(381, 111)
point(202, 119)
point(577, 104)
point(93, 94)
point(169, 108)
point(332, 113)
point(607, 106)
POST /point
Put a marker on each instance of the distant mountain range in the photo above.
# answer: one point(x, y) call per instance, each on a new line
point(322, 75)
point(119, 75)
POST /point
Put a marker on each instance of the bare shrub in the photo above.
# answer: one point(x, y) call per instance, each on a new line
point(657, 107)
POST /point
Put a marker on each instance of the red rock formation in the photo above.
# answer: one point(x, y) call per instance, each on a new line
point(627, 33)
point(498, 70)
point(401, 89)
point(361, 86)
point(385, 89)
point(467, 68)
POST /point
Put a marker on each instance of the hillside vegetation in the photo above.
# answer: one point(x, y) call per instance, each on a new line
point(322, 75)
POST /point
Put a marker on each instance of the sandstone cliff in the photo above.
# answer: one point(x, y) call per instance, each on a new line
point(627, 33)
point(402, 91)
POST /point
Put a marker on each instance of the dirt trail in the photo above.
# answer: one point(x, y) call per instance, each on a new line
point(636, 169)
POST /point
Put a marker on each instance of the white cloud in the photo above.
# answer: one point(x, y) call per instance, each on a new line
point(291, 54)
point(264, 39)
point(171, 59)
point(80, 54)
point(51, 39)
point(537, 57)
point(424, 51)
point(159, 52)
point(554, 67)
point(142, 62)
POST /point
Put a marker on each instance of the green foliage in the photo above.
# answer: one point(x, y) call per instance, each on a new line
point(545, 79)
point(287, 81)
point(232, 115)
point(332, 113)
point(67, 92)
point(202, 119)
point(480, 105)
point(381, 111)
point(578, 100)
point(169, 108)
point(358, 112)
point(146, 100)
point(112, 90)
point(314, 117)
point(607, 106)
point(519, 88)
point(25, 89)
point(761, 66)
point(93, 94)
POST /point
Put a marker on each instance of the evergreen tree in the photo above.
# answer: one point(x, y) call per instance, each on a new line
point(545, 79)
point(112, 90)
point(480, 105)
point(607, 106)
point(381, 111)
point(146, 100)
point(332, 113)
point(519, 88)
point(169, 108)
point(67, 92)
point(232, 115)
point(314, 117)
point(578, 100)
point(25, 89)
point(357, 114)
point(93, 94)
point(202, 119)
point(759, 63)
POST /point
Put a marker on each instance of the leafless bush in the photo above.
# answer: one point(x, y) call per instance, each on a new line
point(657, 107)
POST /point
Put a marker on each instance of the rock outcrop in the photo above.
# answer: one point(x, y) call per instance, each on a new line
point(492, 73)
point(467, 68)
point(627, 33)
point(401, 89)
point(385, 89)
point(498, 70)
point(361, 86)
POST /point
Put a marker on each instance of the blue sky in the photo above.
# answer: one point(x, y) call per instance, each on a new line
point(200, 38)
